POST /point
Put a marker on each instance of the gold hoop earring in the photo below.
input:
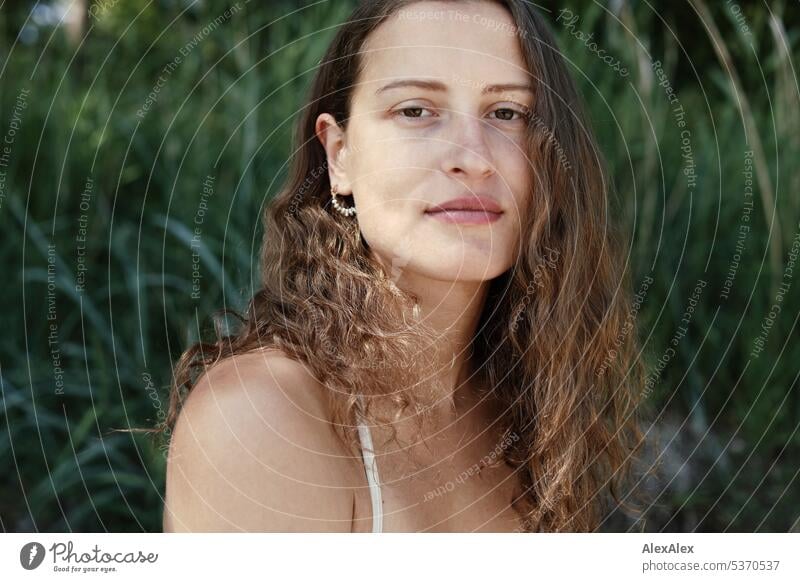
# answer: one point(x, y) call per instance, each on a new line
point(343, 210)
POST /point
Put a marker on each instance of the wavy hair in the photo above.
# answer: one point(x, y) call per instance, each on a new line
point(555, 342)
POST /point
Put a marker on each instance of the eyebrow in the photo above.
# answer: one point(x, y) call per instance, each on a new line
point(439, 86)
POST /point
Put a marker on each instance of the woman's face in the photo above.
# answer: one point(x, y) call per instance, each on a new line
point(438, 114)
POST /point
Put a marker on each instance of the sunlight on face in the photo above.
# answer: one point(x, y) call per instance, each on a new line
point(439, 113)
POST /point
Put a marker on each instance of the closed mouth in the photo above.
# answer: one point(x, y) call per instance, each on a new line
point(480, 205)
point(466, 217)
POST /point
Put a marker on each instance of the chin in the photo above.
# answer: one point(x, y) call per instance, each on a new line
point(467, 272)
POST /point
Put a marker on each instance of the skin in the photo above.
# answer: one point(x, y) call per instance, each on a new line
point(252, 449)
point(410, 147)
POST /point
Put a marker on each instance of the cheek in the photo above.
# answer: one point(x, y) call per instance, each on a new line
point(514, 169)
point(390, 179)
point(515, 183)
point(389, 202)
point(395, 240)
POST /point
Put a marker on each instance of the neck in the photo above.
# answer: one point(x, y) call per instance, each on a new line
point(452, 311)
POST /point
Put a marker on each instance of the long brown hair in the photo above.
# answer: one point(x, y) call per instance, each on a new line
point(555, 342)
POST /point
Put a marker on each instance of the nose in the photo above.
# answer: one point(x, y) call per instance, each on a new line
point(468, 154)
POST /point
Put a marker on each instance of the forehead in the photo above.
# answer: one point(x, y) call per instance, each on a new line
point(459, 43)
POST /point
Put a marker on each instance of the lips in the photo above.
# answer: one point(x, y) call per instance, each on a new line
point(468, 203)
point(467, 210)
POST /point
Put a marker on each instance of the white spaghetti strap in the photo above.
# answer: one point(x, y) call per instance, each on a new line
point(371, 467)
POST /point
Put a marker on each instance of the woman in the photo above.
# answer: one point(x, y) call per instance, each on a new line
point(442, 340)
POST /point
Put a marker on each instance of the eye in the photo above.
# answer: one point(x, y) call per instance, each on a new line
point(508, 113)
point(416, 112)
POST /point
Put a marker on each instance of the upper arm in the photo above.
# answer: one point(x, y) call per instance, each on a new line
point(252, 451)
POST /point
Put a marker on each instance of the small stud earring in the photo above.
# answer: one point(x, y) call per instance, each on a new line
point(344, 211)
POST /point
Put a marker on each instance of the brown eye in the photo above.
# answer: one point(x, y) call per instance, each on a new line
point(416, 112)
point(507, 114)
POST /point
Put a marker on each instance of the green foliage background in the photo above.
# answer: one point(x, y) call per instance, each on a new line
point(728, 420)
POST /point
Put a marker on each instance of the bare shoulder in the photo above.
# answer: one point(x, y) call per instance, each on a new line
point(253, 449)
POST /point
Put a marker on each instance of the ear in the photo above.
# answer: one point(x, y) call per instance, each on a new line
point(333, 140)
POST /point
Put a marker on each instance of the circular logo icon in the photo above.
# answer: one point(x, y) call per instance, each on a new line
point(31, 555)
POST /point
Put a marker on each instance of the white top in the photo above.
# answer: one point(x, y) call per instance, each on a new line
point(371, 468)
